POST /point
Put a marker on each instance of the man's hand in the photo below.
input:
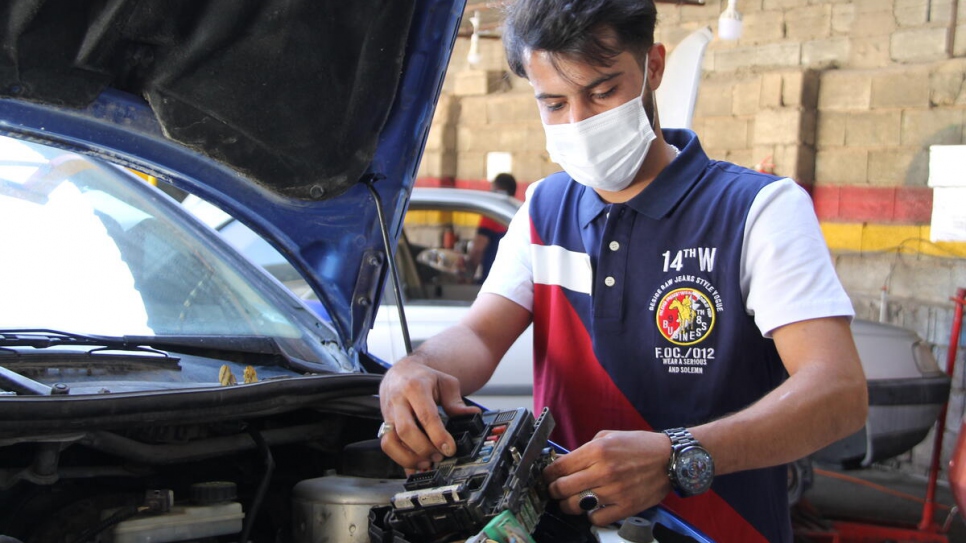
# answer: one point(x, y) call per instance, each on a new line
point(408, 396)
point(455, 362)
point(626, 470)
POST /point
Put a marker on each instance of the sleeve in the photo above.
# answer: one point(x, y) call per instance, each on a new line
point(787, 274)
point(512, 273)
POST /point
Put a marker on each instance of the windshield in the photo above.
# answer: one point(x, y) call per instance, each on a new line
point(92, 249)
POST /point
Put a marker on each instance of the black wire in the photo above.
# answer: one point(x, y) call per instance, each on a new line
point(116, 518)
point(393, 272)
point(262, 486)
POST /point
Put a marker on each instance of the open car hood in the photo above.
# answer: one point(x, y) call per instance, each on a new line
point(281, 112)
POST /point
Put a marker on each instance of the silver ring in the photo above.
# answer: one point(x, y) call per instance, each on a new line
point(384, 429)
point(588, 501)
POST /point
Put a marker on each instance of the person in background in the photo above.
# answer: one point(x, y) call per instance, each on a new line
point(489, 232)
point(691, 336)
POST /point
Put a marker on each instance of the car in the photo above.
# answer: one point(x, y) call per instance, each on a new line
point(155, 385)
point(907, 391)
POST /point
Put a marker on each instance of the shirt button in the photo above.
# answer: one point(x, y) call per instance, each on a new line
point(614, 246)
point(609, 281)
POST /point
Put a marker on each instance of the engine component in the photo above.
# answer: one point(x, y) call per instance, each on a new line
point(498, 465)
point(182, 522)
point(336, 507)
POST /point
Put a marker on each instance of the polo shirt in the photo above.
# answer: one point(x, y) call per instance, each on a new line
point(656, 313)
point(493, 231)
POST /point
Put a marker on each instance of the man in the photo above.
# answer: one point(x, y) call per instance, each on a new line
point(488, 233)
point(686, 313)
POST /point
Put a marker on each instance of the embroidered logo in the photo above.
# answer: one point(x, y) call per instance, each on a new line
point(685, 316)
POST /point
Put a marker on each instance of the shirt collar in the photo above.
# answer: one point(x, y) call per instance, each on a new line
point(676, 179)
point(590, 206)
point(666, 190)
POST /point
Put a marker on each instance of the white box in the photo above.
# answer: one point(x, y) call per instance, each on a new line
point(947, 177)
point(947, 165)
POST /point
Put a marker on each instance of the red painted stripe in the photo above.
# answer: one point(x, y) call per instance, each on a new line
point(826, 202)
point(435, 182)
point(866, 204)
point(884, 205)
point(837, 203)
point(913, 205)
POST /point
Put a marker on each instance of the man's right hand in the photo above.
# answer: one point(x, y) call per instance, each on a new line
point(408, 396)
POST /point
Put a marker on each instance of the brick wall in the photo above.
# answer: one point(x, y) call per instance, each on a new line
point(845, 96)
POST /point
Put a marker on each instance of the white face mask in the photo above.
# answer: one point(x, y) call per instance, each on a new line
point(604, 151)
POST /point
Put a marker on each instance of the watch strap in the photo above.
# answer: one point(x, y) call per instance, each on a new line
point(680, 438)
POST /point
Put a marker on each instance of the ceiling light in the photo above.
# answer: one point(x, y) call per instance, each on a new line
point(474, 55)
point(729, 23)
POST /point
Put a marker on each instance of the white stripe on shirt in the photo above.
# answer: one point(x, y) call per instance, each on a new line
point(554, 265)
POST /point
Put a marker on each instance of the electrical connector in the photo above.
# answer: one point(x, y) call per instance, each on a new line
point(158, 500)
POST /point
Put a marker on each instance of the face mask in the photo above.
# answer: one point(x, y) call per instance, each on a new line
point(604, 151)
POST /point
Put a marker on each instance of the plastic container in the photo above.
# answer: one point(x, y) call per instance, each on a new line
point(182, 523)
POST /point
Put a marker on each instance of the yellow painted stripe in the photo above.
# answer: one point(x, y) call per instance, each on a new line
point(884, 238)
point(149, 178)
point(456, 218)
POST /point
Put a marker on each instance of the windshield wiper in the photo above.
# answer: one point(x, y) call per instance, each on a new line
point(19, 384)
point(43, 338)
point(254, 347)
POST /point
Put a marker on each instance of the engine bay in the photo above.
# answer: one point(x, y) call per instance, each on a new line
point(283, 477)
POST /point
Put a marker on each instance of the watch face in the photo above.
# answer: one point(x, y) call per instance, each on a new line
point(694, 470)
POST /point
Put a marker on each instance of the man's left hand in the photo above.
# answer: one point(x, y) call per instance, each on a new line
point(626, 470)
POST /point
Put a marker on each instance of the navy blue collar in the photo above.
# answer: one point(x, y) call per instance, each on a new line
point(666, 190)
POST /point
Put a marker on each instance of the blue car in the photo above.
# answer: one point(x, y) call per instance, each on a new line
point(155, 385)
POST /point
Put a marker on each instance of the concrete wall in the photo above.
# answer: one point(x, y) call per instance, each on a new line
point(845, 96)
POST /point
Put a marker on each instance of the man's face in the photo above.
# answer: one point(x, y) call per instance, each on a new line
point(573, 91)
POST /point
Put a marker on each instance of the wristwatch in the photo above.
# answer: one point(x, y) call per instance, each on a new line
point(690, 468)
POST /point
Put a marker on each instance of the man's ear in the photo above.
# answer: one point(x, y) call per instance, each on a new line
point(655, 65)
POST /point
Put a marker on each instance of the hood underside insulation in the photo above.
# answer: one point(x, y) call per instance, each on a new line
point(291, 93)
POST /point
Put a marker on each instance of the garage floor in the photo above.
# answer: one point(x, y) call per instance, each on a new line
point(873, 496)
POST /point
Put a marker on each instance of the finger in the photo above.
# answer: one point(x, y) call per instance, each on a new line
point(567, 489)
point(609, 515)
point(604, 495)
point(451, 399)
point(400, 453)
point(408, 428)
point(572, 504)
point(434, 430)
point(572, 473)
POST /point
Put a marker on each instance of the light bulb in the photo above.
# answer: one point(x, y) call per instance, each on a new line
point(729, 23)
point(473, 57)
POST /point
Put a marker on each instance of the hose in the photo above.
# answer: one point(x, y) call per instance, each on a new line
point(262, 486)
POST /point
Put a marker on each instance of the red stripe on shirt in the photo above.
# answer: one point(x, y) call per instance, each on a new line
point(581, 396)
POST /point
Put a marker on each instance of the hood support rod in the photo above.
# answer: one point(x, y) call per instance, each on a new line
point(391, 261)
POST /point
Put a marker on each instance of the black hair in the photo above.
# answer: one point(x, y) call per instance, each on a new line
point(505, 182)
point(578, 30)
